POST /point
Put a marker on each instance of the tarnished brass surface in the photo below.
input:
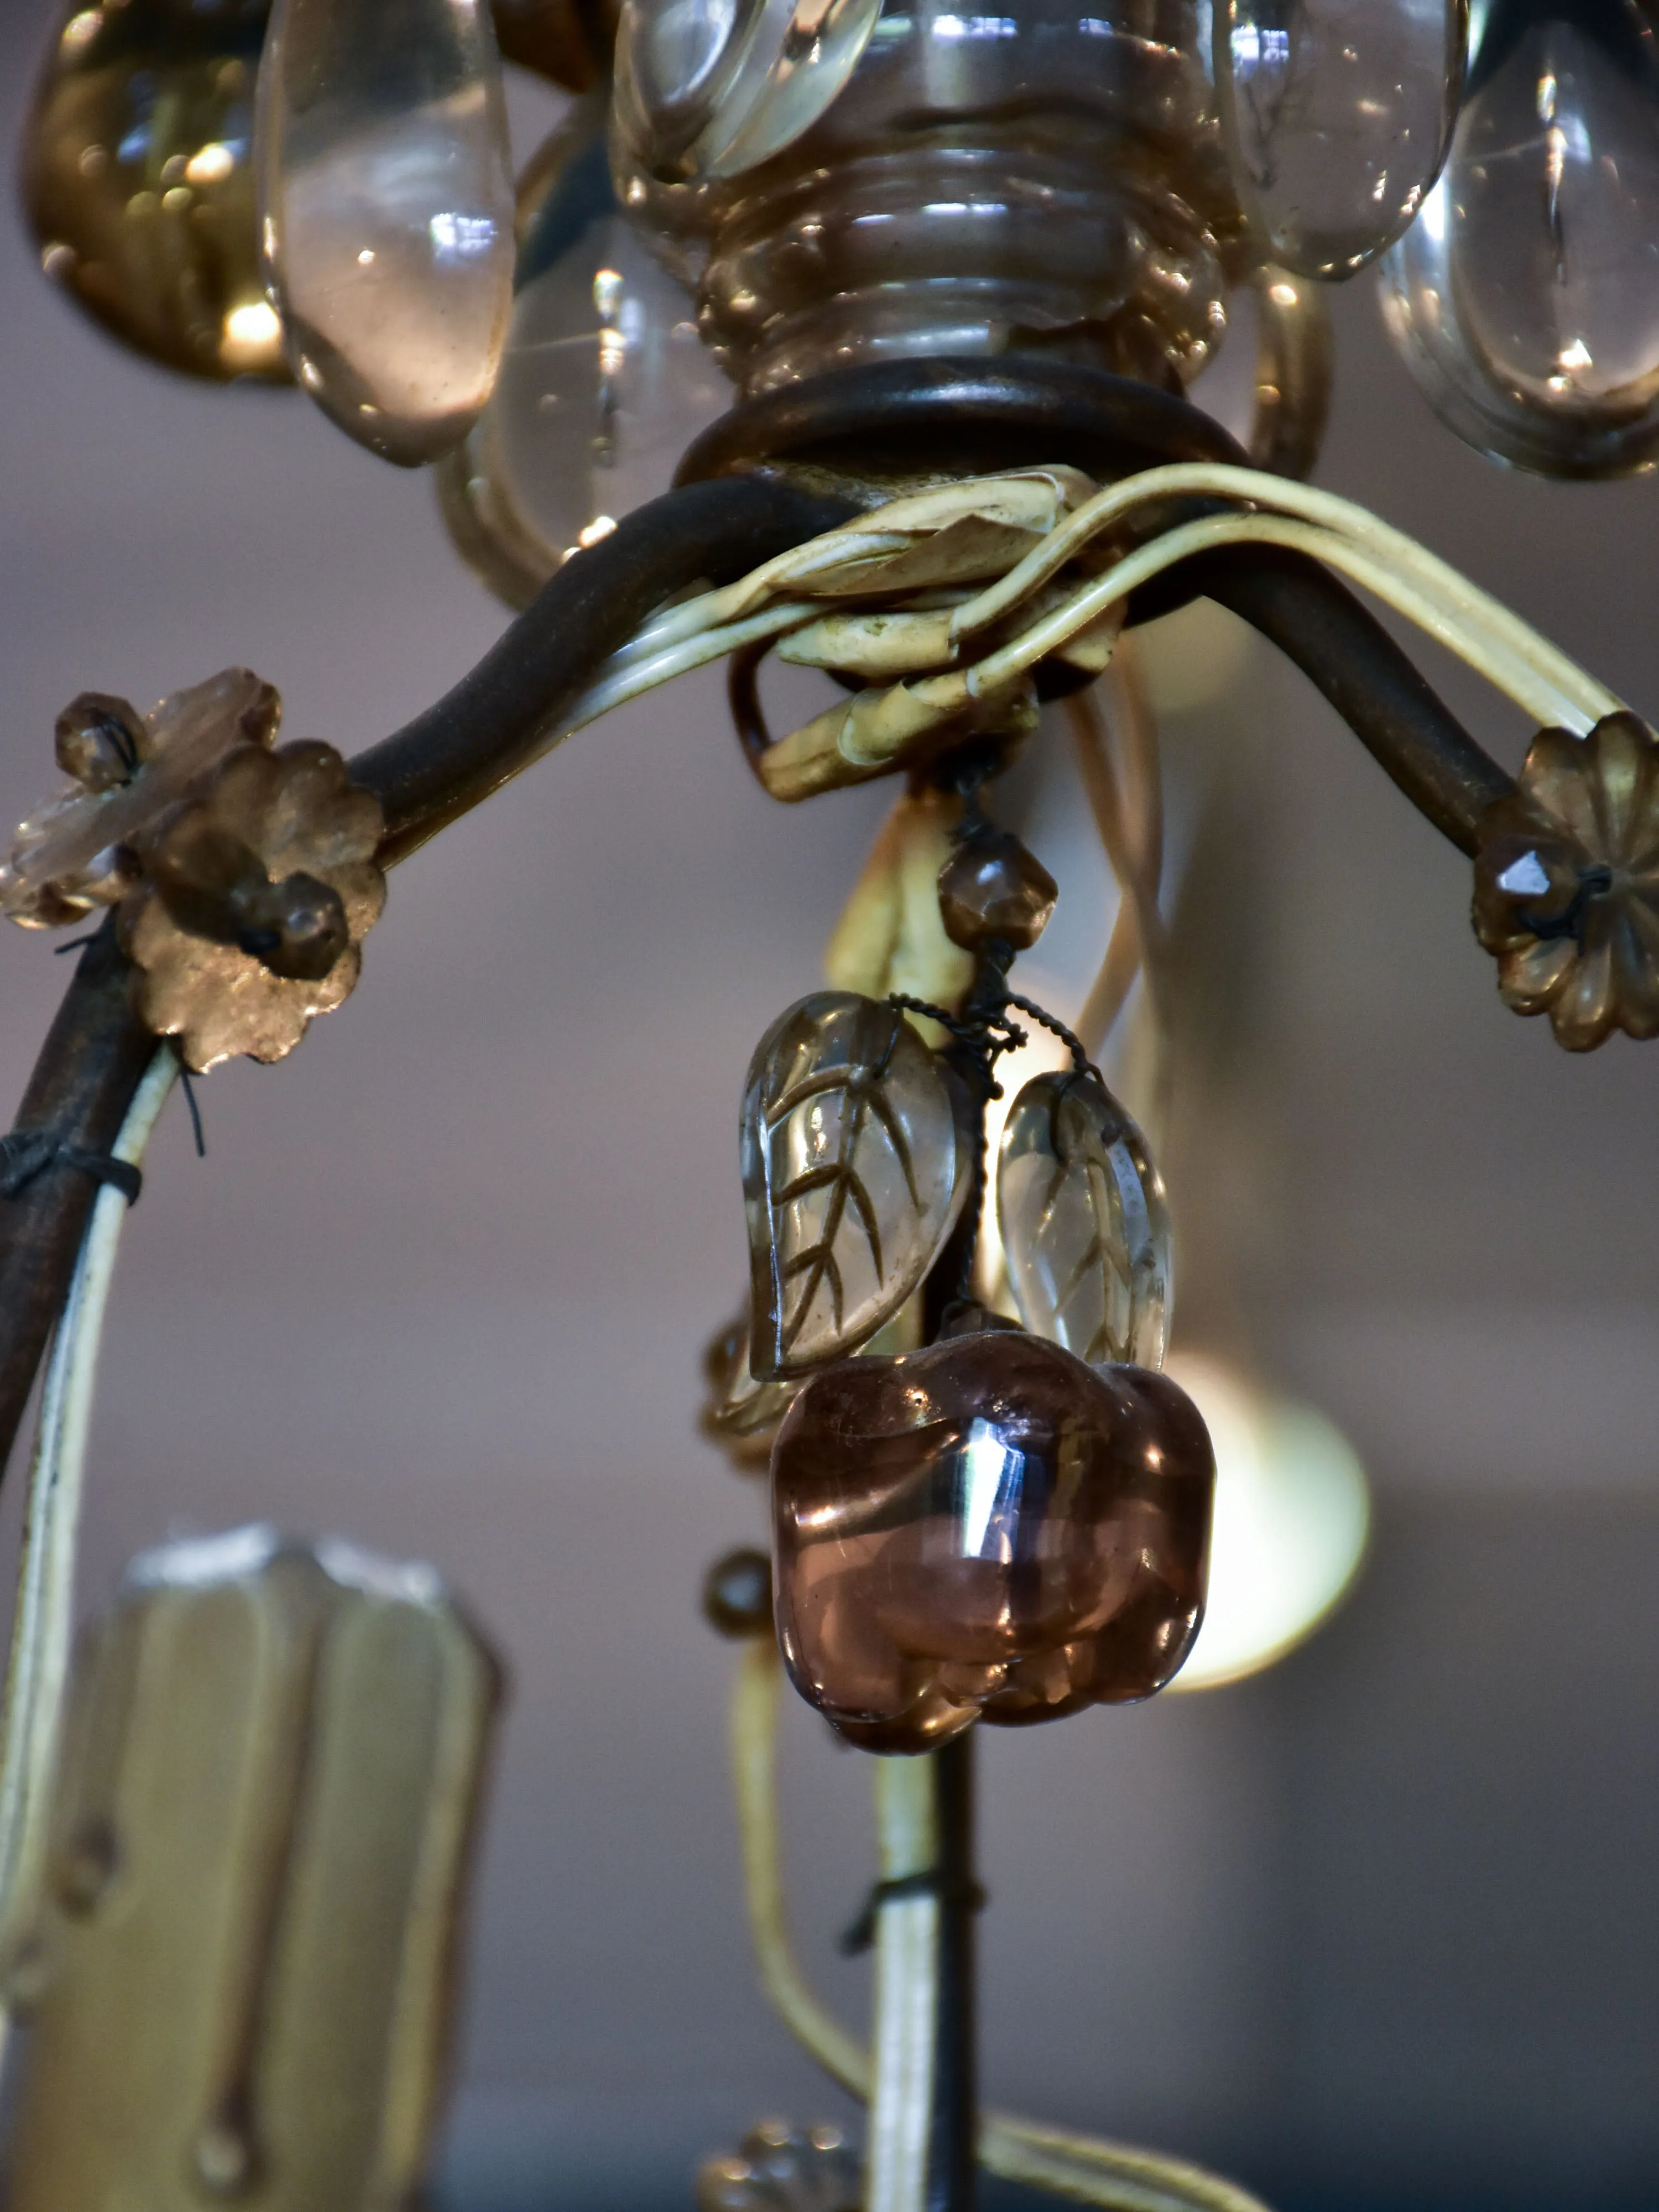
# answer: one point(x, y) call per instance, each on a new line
point(270, 1786)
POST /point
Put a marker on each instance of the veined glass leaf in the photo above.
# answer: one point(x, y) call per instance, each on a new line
point(857, 1143)
point(1085, 1223)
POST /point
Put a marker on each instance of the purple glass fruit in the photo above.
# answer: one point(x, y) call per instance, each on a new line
point(988, 1528)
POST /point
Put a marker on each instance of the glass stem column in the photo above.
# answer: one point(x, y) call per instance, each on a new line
point(923, 2103)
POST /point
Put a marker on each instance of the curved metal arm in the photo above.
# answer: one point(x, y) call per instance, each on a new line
point(962, 416)
point(494, 722)
point(507, 712)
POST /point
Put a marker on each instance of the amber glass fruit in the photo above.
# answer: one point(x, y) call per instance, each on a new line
point(992, 887)
point(138, 179)
point(987, 1529)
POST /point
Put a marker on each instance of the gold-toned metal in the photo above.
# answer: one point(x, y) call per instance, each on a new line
point(780, 2168)
point(1567, 884)
point(245, 876)
point(272, 1778)
point(307, 836)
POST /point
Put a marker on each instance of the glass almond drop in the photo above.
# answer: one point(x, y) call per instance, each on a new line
point(138, 180)
point(1337, 115)
point(386, 213)
point(1084, 1222)
point(603, 383)
point(1525, 297)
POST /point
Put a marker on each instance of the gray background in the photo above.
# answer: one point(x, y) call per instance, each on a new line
point(1379, 1926)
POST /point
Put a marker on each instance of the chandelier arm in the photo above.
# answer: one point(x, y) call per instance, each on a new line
point(491, 725)
point(1345, 653)
point(83, 1084)
point(513, 705)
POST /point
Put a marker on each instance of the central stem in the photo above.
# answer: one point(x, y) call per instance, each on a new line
point(922, 2107)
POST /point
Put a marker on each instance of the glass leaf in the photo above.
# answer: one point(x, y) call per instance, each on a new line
point(857, 1149)
point(386, 204)
point(1085, 1223)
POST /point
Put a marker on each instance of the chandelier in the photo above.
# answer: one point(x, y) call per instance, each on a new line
point(871, 336)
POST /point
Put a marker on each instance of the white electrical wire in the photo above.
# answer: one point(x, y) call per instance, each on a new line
point(1490, 638)
point(31, 1711)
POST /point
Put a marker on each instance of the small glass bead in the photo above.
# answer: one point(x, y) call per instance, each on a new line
point(100, 740)
point(993, 887)
point(737, 1594)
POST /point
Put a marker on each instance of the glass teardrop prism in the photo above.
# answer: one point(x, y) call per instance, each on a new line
point(857, 1148)
point(1337, 115)
point(386, 213)
point(1085, 1223)
point(1525, 297)
point(138, 180)
point(604, 384)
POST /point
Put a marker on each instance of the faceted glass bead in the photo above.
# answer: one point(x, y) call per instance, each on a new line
point(386, 213)
point(1337, 115)
point(709, 88)
point(1085, 1222)
point(1525, 297)
point(857, 1144)
point(138, 180)
point(604, 384)
point(992, 887)
point(987, 1529)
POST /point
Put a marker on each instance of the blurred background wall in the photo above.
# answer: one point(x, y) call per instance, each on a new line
point(1378, 1928)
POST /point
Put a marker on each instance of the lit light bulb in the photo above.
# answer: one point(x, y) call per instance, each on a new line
point(138, 180)
point(1291, 1520)
point(604, 384)
point(1525, 297)
point(386, 211)
point(1336, 115)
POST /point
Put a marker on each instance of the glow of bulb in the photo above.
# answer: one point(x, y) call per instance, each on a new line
point(1291, 1515)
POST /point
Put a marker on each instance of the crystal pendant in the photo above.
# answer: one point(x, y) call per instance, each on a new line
point(1337, 115)
point(604, 384)
point(1525, 297)
point(986, 1530)
point(711, 87)
point(1084, 1223)
point(857, 1146)
point(138, 180)
point(386, 213)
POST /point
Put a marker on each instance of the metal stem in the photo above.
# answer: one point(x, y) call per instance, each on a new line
point(954, 2130)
